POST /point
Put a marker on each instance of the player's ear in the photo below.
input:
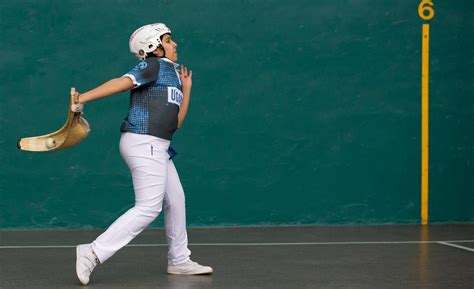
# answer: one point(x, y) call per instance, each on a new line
point(159, 52)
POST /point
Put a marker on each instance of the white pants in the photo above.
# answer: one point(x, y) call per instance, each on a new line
point(156, 184)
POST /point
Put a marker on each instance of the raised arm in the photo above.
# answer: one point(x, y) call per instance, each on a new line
point(110, 87)
point(186, 82)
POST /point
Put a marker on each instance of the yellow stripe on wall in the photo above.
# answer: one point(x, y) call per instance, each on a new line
point(424, 122)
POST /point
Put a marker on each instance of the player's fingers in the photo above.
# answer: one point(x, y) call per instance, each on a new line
point(75, 95)
point(190, 73)
point(185, 71)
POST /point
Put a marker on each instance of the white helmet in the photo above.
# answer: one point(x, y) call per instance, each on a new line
point(147, 39)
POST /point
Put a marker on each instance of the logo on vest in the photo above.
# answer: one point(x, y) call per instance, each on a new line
point(140, 66)
point(175, 96)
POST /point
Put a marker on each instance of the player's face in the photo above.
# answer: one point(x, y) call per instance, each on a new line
point(170, 48)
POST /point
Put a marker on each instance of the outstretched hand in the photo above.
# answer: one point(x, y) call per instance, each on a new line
point(77, 106)
point(186, 77)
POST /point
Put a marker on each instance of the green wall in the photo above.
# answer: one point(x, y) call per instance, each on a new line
point(302, 112)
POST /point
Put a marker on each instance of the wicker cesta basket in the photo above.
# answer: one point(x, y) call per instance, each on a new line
point(73, 132)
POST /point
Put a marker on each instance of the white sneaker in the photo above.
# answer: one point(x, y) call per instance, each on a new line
point(86, 261)
point(189, 268)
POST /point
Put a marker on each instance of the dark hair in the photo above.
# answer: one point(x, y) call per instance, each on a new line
point(150, 54)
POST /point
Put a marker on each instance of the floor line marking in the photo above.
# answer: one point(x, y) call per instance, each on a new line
point(448, 243)
point(456, 246)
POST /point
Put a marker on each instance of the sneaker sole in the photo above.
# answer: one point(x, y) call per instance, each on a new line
point(207, 272)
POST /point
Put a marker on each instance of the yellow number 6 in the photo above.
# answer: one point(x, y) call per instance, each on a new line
point(425, 9)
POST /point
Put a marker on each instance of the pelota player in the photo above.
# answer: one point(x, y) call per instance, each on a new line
point(159, 101)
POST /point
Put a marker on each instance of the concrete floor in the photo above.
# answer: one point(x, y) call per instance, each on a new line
point(382, 257)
